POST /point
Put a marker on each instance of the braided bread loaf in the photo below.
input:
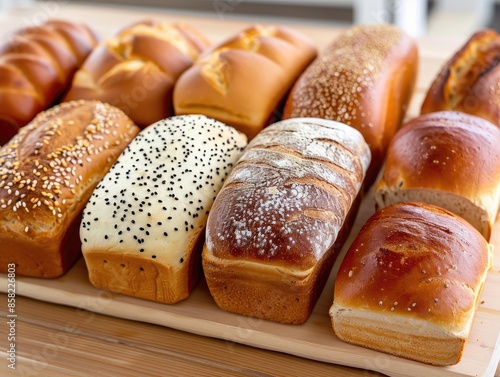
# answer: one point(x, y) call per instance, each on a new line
point(36, 66)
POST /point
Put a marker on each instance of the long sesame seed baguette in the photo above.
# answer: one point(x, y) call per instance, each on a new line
point(410, 283)
point(144, 227)
point(47, 174)
point(365, 79)
point(36, 66)
point(278, 223)
point(243, 80)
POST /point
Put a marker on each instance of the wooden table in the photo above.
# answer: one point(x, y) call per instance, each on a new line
point(54, 340)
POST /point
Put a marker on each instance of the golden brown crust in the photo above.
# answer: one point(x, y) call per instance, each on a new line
point(47, 173)
point(449, 152)
point(365, 79)
point(36, 66)
point(137, 70)
point(470, 81)
point(277, 224)
point(413, 262)
point(242, 80)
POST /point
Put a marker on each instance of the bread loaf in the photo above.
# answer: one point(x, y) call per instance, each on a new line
point(243, 80)
point(449, 159)
point(278, 223)
point(410, 283)
point(36, 66)
point(47, 173)
point(365, 78)
point(136, 70)
point(469, 80)
point(143, 229)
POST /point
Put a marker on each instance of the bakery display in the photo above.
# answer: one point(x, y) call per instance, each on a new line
point(243, 80)
point(468, 82)
point(410, 284)
point(143, 229)
point(36, 65)
point(281, 217)
point(364, 78)
point(449, 159)
point(47, 174)
point(137, 69)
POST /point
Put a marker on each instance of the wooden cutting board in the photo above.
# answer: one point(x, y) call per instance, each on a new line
point(314, 339)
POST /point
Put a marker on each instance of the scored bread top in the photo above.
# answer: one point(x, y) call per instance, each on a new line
point(289, 194)
point(158, 194)
point(49, 169)
point(415, 260)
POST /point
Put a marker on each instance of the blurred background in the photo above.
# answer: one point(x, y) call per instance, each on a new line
point(417, 17)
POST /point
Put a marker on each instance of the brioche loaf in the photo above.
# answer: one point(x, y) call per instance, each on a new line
point(469, 81)
point(365, 79)
point(243, 80)
point(410, 283)
point(136, 70)
point(47, 174)
point(36, 66)
point(449, 159)
point(276, 226)
point(143, 229)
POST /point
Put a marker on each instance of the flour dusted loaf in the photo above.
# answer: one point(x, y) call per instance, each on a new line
point(243, 80)
point(410, 283)
point(469, 81)
point(143, 229)
point(365, 79)
point(36, 66)
point(449, 159)
point(276, 226)
point(137, 69)
point(47, 173)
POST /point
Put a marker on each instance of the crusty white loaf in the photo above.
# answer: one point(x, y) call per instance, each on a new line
point(143, 228)
point(47, 174)
point(410, 283)
point(276, 226)
point(449, 159)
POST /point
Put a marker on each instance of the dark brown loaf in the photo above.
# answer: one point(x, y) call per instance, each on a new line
point(276, 226)
point(410, 283)
point(449, 159)
point(47, 174)
point(365, 79)
point(36, 66)
point(469, 81)
point(136, 71)
point(243, 80)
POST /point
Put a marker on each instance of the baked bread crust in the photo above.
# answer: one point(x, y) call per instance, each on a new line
point(410, 283)
point(276, 226)
point(47, 174)
point(365, 78)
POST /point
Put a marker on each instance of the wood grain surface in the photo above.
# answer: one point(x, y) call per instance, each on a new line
point(79, 340)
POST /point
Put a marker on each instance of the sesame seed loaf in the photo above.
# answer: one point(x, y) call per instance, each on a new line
point(278, 223)
point(243, 80)
point(143, 228)
point(137, 69)
point(410, 283)
point(365, 79)
point(47, 173)
point(448, 159)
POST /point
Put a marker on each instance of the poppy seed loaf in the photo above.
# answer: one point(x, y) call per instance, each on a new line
point(143, 228)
